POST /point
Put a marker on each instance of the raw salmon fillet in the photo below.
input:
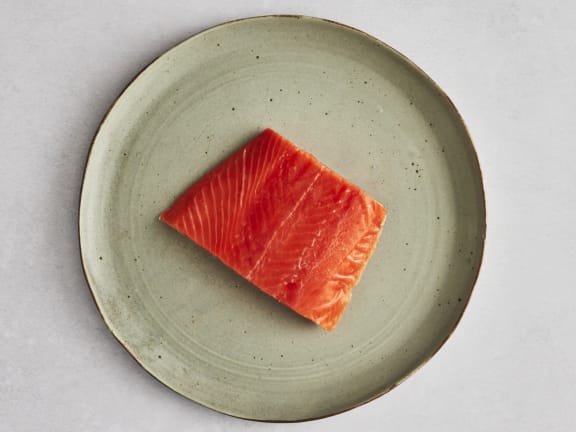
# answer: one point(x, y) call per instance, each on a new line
point(285, 222)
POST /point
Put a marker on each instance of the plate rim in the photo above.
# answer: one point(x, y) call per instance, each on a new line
point(441, 93)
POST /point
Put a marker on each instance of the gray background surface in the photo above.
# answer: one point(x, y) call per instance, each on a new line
point(509, 66)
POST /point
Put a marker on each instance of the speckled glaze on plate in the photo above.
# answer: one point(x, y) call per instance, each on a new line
point(361, 108)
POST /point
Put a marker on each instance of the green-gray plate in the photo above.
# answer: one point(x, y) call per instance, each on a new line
point(361, 108)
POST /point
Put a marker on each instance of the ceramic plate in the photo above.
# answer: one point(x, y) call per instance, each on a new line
point(361, 108)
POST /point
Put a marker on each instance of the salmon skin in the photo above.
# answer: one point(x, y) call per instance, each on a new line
point(285, 222)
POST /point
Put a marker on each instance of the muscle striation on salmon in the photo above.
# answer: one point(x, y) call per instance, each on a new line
point(284, 221)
